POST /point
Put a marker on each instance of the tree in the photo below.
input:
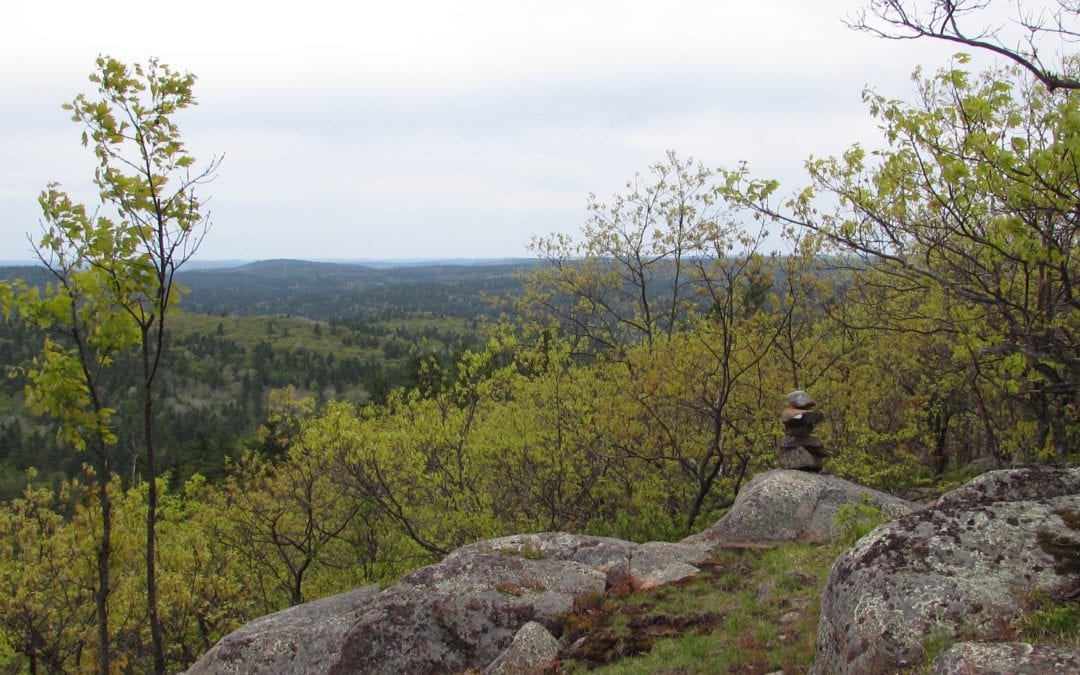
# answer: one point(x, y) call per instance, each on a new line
point(421, 460)
point(85, 332)
point(550, 441)
point(971, 209)
point(145, 175)
point(629, 278)
point(113, 276)
point(287, 515)
point(948, 20)
point(667, 283)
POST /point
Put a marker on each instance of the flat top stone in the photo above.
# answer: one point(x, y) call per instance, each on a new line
point(800, 399)
point(801, 415)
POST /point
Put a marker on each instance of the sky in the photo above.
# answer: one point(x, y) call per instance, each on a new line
point(427, 129)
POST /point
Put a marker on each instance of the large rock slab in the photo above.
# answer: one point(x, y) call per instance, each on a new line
point(305, 639)
point(784, 505)
point(459, 614)
point(964, 568)
point(464, 611)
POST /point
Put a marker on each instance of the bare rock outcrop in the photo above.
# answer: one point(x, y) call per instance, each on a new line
point(785, 505)
point(461, 613)
point(965, 567)
point(466, 611)
point(305, 639)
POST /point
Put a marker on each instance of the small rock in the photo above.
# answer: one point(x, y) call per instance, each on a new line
point(800, 399)
point(802, 578)
point(798, 458)
point(534, 651)
point(801, 416)
point(789, 618)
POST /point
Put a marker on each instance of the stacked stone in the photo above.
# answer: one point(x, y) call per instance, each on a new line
point(798, 448)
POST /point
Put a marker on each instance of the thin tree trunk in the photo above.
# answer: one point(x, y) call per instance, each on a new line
point(151, 516)
point(101, 595)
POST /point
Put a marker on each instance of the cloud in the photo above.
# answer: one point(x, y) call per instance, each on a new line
point(441, 129)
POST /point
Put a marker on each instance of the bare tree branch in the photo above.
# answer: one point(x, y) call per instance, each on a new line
point(958, 22)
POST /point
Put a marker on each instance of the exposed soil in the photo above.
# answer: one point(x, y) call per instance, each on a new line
point(605, 645)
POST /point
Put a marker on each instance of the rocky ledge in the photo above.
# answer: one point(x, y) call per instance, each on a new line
point(496, 604)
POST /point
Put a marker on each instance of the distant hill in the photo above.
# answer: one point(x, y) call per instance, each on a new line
point(332, 290)
point(339, 290)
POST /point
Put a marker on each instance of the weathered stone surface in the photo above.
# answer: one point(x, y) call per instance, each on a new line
point(466, 611)
point(964, 567)
point(657, 563)
point(1005, 658)
point(534, 651)
point(1033, 482)
point(783, 505)
point(798, 458)
point(463, 612)
point(458, 614)
point(794, 432)
point(800, 399)
point(302, 639)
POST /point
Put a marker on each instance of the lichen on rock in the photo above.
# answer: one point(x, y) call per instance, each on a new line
point(964, 567)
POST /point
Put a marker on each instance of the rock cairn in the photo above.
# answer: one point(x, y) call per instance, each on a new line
point(798, 448)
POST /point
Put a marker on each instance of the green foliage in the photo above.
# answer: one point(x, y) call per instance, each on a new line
point(109, 290)
point(285, 519)
point(966, 217)
point(932, 645)
point(48, 608)
point(857, 520)
point(49, 566)
point(1054, 625)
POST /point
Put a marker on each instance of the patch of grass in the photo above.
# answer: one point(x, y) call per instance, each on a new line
point(1052, 623)
point(748, 611)
point(933, 644)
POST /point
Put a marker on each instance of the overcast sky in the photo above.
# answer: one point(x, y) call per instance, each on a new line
point(433, 129)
